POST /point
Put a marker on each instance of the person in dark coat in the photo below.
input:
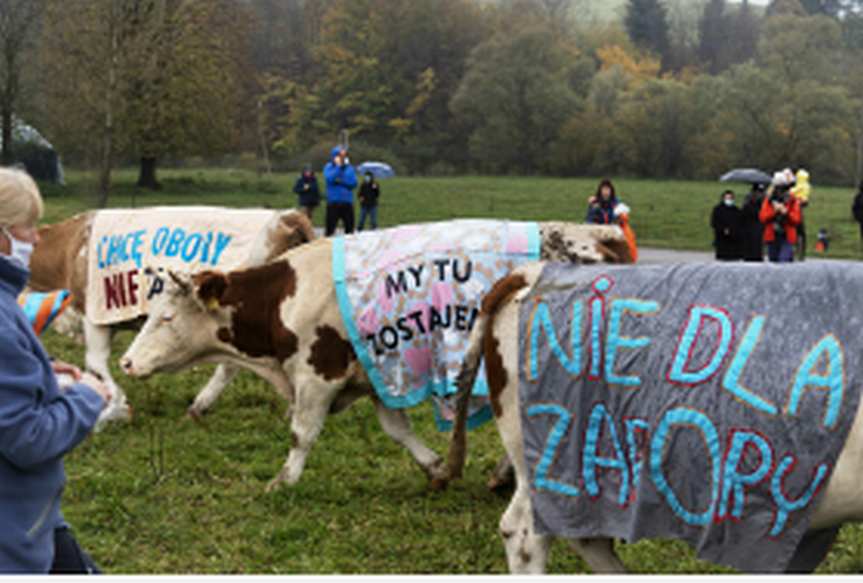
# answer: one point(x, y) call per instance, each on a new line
point(727, 223)
point(600, 207)
point(307, 189)
point(857, 209)
point(369, 194)
point(753, 229)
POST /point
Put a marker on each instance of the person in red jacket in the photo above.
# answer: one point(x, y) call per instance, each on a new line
point(781, 215)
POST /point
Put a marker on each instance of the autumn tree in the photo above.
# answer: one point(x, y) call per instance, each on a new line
point(18, 22)
point(87, 50)
point(515, 95)
point(744, 33)
point(387, 69)
point(647, 25)
point(714, 49)
point(785, 8)
point(151, 78)
point(186, 93)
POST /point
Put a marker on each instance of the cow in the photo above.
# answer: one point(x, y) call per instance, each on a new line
point(60, 261)
point(495, 340)
point(282, 321)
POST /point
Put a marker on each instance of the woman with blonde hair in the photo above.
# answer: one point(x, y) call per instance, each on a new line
point(39, 421)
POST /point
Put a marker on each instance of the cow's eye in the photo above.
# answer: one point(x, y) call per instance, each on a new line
point(168, 318)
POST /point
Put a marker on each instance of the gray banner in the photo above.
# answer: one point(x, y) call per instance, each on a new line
point(707, 403)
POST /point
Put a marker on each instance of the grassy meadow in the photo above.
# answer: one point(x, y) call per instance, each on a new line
point(163, 494)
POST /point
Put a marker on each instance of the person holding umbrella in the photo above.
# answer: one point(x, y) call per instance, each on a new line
point(753, 229)
point(727, 223)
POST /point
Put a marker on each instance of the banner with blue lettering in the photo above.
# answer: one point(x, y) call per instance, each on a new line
point(707, 403)
point(410, 295)
point(130, 250)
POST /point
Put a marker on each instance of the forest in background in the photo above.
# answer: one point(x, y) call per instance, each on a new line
point(643, 88)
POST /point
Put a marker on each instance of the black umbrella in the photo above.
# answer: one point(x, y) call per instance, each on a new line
point(748, 175)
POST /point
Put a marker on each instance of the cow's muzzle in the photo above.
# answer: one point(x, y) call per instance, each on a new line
point(128, 367)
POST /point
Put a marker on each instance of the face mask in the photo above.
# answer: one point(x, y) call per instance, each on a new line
point(20, 251)
point(368, 178)
point(729, 202)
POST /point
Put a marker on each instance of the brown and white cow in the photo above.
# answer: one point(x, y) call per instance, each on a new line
point(495, 340)
point(60, 262)
point(282, 321)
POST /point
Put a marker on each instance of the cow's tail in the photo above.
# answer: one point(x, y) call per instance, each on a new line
point(479, 338)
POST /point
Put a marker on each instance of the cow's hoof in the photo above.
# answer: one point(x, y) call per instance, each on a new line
point(438, 484)
point(500, 482)
point(195, 415)
point(273, 485)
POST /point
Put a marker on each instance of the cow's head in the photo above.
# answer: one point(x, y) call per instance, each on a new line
point(214, 316)
point(578, 243)
point(181, 328)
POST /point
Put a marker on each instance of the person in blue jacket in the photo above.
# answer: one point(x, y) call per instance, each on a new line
point(39, 421)
point(341, 180)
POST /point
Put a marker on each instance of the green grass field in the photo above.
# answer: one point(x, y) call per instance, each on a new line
point(163, 494)
point(669, 214)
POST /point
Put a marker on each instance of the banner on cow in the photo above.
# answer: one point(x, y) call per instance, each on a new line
point(130, 251)
point(707, 403)
point(409, 297)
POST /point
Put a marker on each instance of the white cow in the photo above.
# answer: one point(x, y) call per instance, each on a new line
point(495, 339)
point(282, 321)
point(60, 262)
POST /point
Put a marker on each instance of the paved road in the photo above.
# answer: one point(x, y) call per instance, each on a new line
point(647, 255)
point(653, 255)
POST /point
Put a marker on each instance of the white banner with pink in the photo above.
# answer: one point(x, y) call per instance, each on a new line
point(410, 295)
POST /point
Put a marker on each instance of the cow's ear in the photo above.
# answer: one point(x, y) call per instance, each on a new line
point(210, 287)
point(298, 224)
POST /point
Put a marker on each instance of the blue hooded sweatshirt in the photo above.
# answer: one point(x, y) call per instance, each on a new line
point(341, 180)
point(39, 423)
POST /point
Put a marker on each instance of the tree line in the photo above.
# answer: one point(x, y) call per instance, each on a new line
point(670, 89)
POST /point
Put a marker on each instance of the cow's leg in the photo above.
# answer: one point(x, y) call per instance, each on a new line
point(98, 351)
point(396, 424)
point(222, 376)
point(526, 551)
point(503, 475)
point(314, 399)
point(599, 555)
point(811, 550)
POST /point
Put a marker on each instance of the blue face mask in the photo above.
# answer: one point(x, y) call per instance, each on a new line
point(20, 251)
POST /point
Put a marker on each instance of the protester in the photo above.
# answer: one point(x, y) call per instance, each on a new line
point(753, 230)
point(727, 223)
point(604, 208)
point(780, 214)
point(857, 210)
point(341, 180)
point(39, 421)
point(600, 209)
point(369, 194)
point(822, 245)
point(307, 189)
point(801, 191)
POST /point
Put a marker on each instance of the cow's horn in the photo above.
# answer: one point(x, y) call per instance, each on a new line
point(184, 286)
